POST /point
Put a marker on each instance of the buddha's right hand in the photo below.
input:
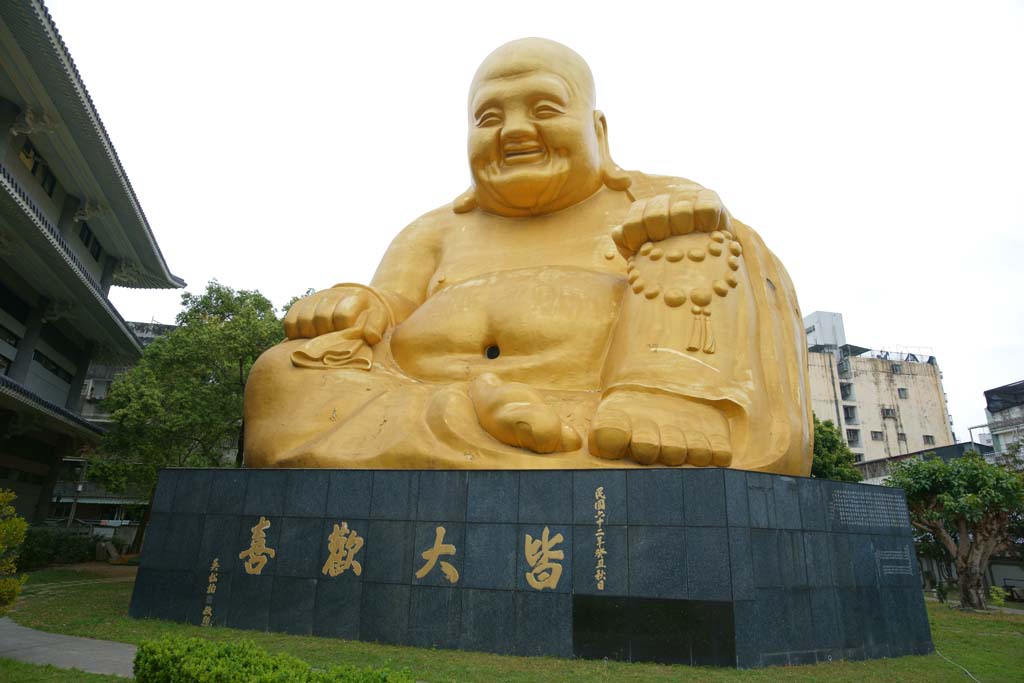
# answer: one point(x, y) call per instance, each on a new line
point(335, 309)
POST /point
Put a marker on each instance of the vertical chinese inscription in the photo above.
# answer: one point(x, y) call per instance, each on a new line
point(541, 555)
point(600, 570)
point(256, 554)
point(211, 589)
point(343, 544)
point(432, 554)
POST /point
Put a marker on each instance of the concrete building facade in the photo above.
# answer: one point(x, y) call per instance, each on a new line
point(70, 228)
point(1004, 412)
point(884, 403)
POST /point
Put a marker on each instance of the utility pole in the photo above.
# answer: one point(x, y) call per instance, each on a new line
point(78, 492)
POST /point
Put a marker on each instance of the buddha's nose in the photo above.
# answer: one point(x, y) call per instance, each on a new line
point(518, 127)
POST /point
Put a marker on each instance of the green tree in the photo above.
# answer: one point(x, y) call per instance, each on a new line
point(833, 459)
point(181, 405)
point(12, 535)
point(968, 505)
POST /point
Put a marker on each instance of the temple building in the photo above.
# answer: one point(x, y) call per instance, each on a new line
point(885, 403)
point(70, 229)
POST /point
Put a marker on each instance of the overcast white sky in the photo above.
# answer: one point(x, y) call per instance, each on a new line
point(878, 147)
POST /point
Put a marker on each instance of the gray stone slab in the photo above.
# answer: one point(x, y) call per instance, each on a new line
point(493, 497)
point(704, 498)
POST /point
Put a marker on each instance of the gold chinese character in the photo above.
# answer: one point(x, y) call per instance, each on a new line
point(540, 553)
point(439, 548)
point(216, 564)
point(207, 614)
point(343, 544)
point(211, 589)
point(257, 552)
point(212, 578)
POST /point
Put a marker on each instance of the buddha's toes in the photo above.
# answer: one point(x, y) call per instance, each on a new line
point(655, 428)
point(517, 415)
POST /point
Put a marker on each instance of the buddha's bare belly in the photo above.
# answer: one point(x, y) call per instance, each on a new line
point(550, 327)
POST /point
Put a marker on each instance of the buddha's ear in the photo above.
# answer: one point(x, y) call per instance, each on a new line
point(612, 176)
point(466, 201)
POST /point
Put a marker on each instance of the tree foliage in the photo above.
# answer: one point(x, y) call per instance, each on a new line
point(968, 505)
point(12, 535)
point(833, 459)
point(181, 405)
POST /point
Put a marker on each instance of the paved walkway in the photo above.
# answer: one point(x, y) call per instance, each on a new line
point(66, 652)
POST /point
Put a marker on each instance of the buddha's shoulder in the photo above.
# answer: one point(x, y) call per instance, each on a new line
point(647, 184)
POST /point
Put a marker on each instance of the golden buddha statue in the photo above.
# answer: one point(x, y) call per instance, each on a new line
point(560, 314)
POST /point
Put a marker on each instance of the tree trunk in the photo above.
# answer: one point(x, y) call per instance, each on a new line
point(136, 545)
point(972, 591)
point(240, 455)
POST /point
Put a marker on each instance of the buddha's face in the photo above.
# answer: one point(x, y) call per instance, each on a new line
point(533, 145)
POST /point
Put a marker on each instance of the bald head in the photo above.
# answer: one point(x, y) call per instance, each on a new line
point(528, 55)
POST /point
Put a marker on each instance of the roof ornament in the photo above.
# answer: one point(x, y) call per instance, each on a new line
point(127, 272)
point(31, 121)
point(56, 309)
point(88, 210)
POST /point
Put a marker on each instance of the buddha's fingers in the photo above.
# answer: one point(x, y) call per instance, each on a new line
point(681, 216)
point(634, 233)
point(656, 218)
point(707, 211)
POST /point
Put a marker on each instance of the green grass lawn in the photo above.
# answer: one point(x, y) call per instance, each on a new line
point(19, 672)
point(990, 646)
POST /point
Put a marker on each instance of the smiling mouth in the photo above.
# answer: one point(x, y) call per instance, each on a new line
point(523, 156)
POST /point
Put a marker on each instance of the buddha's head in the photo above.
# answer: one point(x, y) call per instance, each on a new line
point(536, 142)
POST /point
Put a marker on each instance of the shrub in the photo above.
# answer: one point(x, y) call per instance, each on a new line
point(193, 660)
point(997, 596)
point(12, 534)
point(46, 545)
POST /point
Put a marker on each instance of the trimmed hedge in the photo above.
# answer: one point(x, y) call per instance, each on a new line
point(46, 545)
point(194, 660)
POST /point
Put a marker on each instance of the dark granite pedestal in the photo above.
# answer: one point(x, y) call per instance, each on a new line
point(695, 566)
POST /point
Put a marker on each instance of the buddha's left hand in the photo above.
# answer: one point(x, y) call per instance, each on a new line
point(665, 215)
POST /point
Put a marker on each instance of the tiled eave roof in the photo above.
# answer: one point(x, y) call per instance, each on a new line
point(42, 44)
point(19, 394)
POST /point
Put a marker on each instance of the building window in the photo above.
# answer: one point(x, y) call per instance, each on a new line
point(877, 436)
point(853, 437)
point(8, 336)
point(901, 436)
point(896, 368)
point(809, 330)
point(846, 391)
point(850, 413)
point(48, 181)
point(87, 238)
point(929, 440)
point(52, 367)
point(5, 364)
point(858, 457)
point(904, 393)
point(888, 412)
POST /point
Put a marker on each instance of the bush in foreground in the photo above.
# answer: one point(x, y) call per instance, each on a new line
point(193, 660)
point(46, 545)
point(12, 534)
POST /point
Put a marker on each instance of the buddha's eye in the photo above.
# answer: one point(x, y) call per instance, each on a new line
point(488, 119)
point(546, 111)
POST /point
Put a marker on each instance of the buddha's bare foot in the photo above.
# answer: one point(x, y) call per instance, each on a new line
point(516, 414)
point(655, 428)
